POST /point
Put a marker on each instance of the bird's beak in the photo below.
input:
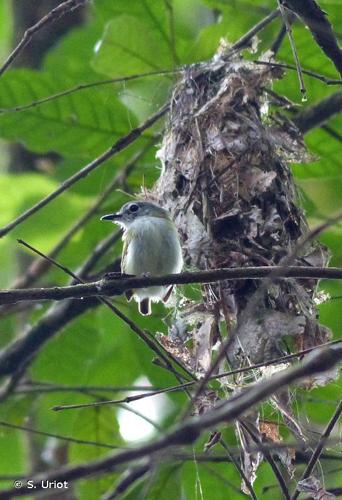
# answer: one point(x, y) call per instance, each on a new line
point(112, 217)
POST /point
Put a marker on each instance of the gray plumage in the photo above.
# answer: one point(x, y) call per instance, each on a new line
point(151, 246)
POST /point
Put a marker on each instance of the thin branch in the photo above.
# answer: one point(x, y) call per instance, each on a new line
point(52, 16)
point(281, 35)
point(240, 470)
point(85, 86)
point(239, 44)
point(246, 39)
point(329, 130)
point(23, 349)
point(316, 20)
point(68, 439)
point(47, 387)
point(142, 416)
point(118, 146)
point(145, 336)
point(114, 287)
point(319, 448)
point(253, 432)
point(216, 458)
point(39, 266)
point(152, 393)
point(253, 302)
point(128, 478)
point(322, 78)
point(188, 431)
point(293, 48)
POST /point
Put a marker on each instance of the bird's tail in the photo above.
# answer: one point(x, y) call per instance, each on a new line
point(145, 307)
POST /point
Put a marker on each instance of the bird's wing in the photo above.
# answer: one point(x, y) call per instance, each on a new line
point(126, 241)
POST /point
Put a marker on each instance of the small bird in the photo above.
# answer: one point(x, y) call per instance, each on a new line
point(151, 247)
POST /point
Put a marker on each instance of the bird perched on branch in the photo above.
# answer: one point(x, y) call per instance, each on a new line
point(151, 247)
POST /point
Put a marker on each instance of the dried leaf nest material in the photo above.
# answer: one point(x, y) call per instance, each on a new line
point(226, 181)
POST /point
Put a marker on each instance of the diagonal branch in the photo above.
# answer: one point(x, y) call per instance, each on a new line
point(188, 431)
point(144, 335)
point(319, 448)
point(113, 287)
point(21, 351)
point(152, 393)
point(118, 146)
point(52, 16)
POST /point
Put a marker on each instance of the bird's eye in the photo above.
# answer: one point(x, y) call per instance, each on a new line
point(134, 207)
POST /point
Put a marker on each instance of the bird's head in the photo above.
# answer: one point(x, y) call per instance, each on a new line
point(132, 210)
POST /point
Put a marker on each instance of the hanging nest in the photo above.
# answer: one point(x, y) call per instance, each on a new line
point(225, 178)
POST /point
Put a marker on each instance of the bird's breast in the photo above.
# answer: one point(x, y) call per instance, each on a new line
point(152, 247)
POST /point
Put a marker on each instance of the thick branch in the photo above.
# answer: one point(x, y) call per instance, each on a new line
point(56, 318)
point(119, 286)
point(190, 430)
point(315, 19)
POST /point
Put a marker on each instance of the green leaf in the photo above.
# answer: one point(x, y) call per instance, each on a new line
point(121, 51)
point(81, 124)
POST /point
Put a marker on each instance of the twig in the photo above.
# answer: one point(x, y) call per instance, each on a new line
point(281, 35)
point(316, 20)
point(23, 349)
point(39, 266)
point(85, 86)
point(146, 336)
point(58, 436)
point(188, 431)
point(322, 78)
point(216, 458)
point(294, 50)
point(152, 393)
point(52, 16)
point(118, 146)
point(119, 286)
point(47, 387)
point(258, 440)
point(240, 470)
point(329, 130)
point(245, 40)
point(127, 479)
point(322, 441)
point(172, 41)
